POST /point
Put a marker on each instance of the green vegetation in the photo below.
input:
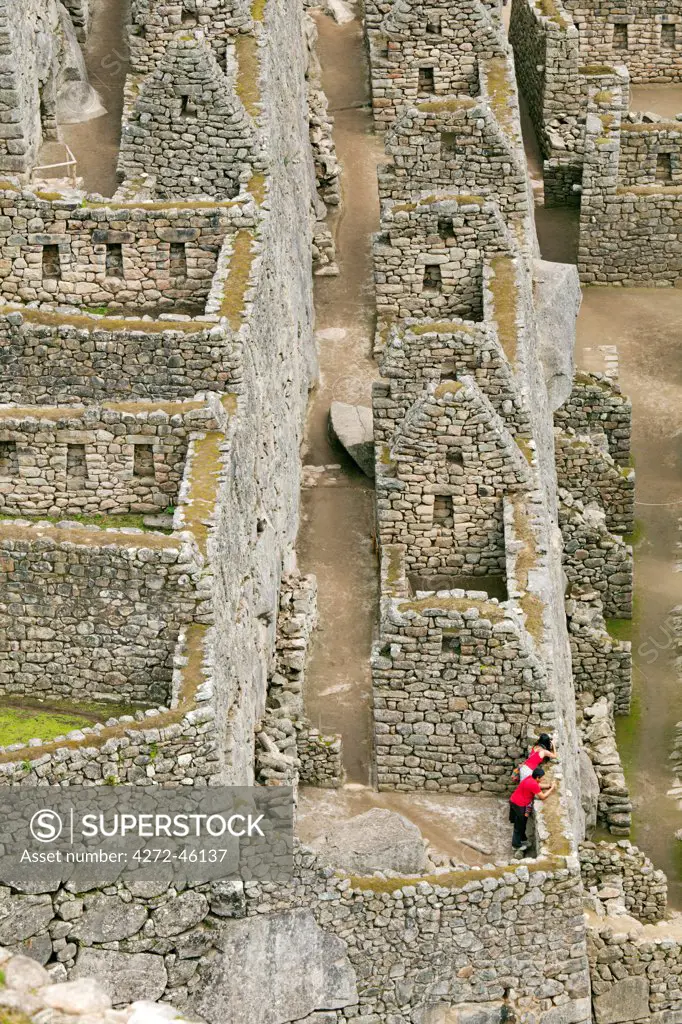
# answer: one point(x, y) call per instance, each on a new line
point(114, 522)
point(20, 725)
point(637, 536)
point(628, 733)
point(96, 310)
point(619, 629)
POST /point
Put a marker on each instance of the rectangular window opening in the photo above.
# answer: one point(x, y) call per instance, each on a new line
point(9, 463)
point(454, 457)
point(426, 82)
point(76, 467)
point(446, 228)
point(187, 105)
point(451, 644)
point(449, 144)
point(143, 460)
point(433, 25)
point(432, 278)
point(178, 260)
point(114, 259)
point(668, 37)
point(664, 167)
point(442, 508)
point(620, 37)
point(188, 18)
point(52, 269)
point(448, 370)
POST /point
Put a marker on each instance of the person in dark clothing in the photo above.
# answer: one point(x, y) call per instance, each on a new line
point(521, 804)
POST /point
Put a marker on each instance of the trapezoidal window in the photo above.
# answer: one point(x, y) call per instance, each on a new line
point(143, 460)
point(114, 262)
point(9, 462)
point(188, 18)
point(451, 644)
point(426, 82)
point(442, 508)
point(620, 37)
point(433, 281)
point(76, 467)
point(449, 144)
point(52, 270)
point(188, 107)
point(448, 370)
point(668, 37)
point(454, 457)
point(178, 260)
point(446, 228)
point(664, 167)
point(433, 25)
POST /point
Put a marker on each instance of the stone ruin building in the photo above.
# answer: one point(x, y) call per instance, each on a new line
point(156, 354)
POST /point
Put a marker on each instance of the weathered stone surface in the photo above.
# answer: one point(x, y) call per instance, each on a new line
point(589, 790)
point(379, 840)
point(275, 968)
point(180, 914)
point(557, 302)
point(625, 1000)
point(107, 919)
point(23, 916)
point(463, 1013)
point(352, 427)
point(125, 977)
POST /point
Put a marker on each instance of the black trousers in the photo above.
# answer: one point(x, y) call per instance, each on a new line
point(517, 816)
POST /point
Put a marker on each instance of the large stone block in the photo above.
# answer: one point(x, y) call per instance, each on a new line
point(125, 977)
point(379, 840)
point(274, 969)
point(626, 1000)
point(557, 301)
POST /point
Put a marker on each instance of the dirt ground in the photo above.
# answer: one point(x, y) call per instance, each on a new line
point(337, 531)
point(443, 819)
point(95, 143)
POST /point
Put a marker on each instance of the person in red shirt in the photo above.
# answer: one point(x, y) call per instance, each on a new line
point(521, 804)
point(538, 752)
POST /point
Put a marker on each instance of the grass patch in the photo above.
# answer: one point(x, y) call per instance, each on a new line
point(628, 732)
point(635, 538)
point(619, 629)
point(113, 522)
point(239, 274)
point(505, 302)
point(20, 726)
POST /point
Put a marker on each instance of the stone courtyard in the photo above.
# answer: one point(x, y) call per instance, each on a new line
point(316, 471)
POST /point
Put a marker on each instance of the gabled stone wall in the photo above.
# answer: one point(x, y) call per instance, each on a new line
point(186, 127)
point(416, 49)
point(602, 665)
point(597, 407)
point(154, 23)
point(593, 477)
point(595, 557)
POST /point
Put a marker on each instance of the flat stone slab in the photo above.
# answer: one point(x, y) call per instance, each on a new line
point(125, 977)
point(626, 1000)
point(378, 840)
point(557, 295)
point(275, 968)
point(353, 427)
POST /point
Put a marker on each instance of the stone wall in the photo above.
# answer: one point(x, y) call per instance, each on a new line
point(614, 808)
point(80, 13)
point(595, 557)
point(457, 689)
point(596, 406)
point(107, 604)
point(646, 36)
point(97, 460)
point(289, 750)
point(461, 144)
point(186, 127)
point(383, 949)
point(423, 264)
point(154, 24)
point(65, 252)
point(593, 477)
point(417, 50)
point(602, 665)
point(631, 211)
point(52, 358)
point(645, 889)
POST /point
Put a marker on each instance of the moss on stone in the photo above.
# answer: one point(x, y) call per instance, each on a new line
point(239, 274)
point(106, 323)
point(442, 327)
point(502, 92)
point(594, 70)
point(505, 302)
point(448, 387)
point(439, 106)
point(104, 522)
point(248, 72)
point(551, 10)
point(455, 879)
